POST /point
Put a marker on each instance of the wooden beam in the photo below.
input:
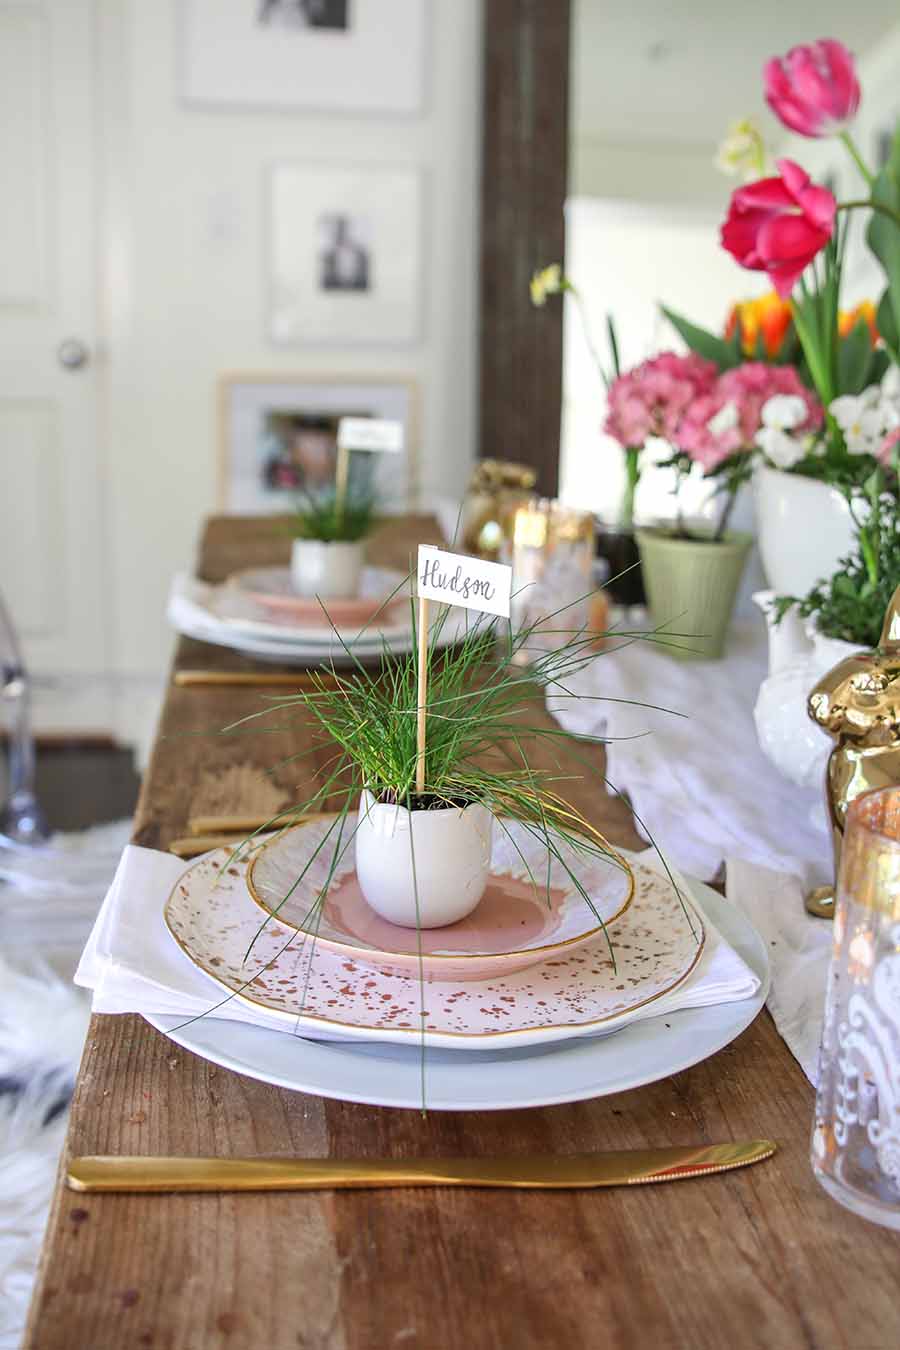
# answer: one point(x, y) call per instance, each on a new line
point(524, 173)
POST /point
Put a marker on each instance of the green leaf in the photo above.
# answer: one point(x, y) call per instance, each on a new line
point(883, 233)
point(854, 359)
point(886, 323)
point(726, 355)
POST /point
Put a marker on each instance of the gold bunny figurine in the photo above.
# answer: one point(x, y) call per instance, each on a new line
point(858, 703)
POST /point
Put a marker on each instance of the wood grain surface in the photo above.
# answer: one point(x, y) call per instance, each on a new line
point(755, 1258)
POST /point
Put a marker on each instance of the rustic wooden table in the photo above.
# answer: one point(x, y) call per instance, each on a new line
point(755, 1258)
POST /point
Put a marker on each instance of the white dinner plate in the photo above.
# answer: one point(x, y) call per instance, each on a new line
point(462, 1080)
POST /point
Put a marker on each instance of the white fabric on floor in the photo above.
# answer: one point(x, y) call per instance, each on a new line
point(48, 902)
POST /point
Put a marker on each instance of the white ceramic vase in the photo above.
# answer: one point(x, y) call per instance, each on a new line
point(804, 528)
point(799, 655)
point(329, 570)
point(452, 848)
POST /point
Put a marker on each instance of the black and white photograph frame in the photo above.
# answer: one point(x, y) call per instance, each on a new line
point(278, 439)
point(344, 254)
point(347, 56)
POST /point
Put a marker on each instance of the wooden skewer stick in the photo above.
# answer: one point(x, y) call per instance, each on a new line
point(422, 695)
point(341, 479)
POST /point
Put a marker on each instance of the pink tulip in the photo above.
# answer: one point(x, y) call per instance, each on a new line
point(814, 89)
point(778, 225)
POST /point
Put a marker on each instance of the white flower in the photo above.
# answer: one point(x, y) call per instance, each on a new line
point(779, 448)
point(784, 412)
point(726, 419)
point(863, 418)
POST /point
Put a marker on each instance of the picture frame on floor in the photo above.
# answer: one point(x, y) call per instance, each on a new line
point(278, 439)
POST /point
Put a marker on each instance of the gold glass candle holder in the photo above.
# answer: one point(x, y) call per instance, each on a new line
point(856, 1132)
point(552, 557)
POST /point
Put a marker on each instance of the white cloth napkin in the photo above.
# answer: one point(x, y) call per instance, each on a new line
point(799, 953)
point(133, 965)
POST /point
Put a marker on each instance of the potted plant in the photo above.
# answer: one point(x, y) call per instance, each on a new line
point(794, 230)
point(709, 419)
point(616, 540)
point(327, 553)
point(423, 853)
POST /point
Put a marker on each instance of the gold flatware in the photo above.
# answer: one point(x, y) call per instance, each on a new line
point(632, 1168)
point(202, 843)
point(241, 824)
point(275, 679)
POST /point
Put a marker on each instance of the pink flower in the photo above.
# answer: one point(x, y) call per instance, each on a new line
point(778, 225)
point(890, 443)
point(814, 89)
point(651, 399)
point(727, 418)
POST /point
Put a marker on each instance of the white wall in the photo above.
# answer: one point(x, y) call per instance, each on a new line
point(183, 268)
point(626, 259)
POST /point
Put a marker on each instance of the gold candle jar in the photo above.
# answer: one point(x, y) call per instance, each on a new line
point(552, 556)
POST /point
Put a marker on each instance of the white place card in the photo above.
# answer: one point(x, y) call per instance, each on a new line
point(456, 579)
point(370, 433)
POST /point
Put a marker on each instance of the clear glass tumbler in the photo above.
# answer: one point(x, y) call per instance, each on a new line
point(856, 1132)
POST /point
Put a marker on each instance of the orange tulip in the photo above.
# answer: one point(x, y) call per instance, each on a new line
point(768, 316)
point(848, 319)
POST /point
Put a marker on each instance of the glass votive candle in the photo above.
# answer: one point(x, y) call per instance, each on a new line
point(552, 557)
point(856, 1131)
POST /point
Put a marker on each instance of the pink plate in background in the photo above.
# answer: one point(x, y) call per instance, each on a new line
point(271, 587)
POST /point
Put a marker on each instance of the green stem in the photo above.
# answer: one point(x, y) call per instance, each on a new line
point(586, 329)
point(857, 158)
point(632, 477)
point(873, 206)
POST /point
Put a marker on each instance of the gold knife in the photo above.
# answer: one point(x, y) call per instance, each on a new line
point(553, 1172)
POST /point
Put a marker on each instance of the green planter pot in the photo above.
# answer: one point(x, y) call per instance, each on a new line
point(691, 586)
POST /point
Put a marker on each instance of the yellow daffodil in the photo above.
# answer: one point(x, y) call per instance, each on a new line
point(742, 154)
point(548, 281)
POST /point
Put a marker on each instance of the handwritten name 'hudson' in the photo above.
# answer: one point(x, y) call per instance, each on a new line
point(459, 583)
point(455, 579)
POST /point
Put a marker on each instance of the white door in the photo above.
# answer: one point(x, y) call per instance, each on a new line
point(50, 518)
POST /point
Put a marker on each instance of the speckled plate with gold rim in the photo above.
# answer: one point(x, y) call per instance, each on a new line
point(217, 924)
point(525, 916)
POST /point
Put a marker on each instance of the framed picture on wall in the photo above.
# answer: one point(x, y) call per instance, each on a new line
point(333, 55)
point(344, 253)
point(278, 438)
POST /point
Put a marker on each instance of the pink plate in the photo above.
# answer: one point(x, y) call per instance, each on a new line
point(517, 924)
point(271, 587)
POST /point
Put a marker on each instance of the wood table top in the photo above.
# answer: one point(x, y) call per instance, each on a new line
point(754, 1258)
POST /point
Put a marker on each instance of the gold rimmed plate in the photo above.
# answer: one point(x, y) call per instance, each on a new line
point(528, 913)
point(301, 986)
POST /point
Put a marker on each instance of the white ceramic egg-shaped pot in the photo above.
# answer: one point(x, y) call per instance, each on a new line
point(452, 848)
point(330, 570)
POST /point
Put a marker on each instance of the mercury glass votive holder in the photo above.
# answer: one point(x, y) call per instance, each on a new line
point(552, 556)
point(856, 1131)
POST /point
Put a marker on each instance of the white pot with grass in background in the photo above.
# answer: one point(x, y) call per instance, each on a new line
point(329, 569)
point(452, 850)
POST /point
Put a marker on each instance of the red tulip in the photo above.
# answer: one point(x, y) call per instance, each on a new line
point(778, 225)
point(814, 89)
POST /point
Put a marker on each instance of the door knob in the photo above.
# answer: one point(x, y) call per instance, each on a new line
point(72, 353)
